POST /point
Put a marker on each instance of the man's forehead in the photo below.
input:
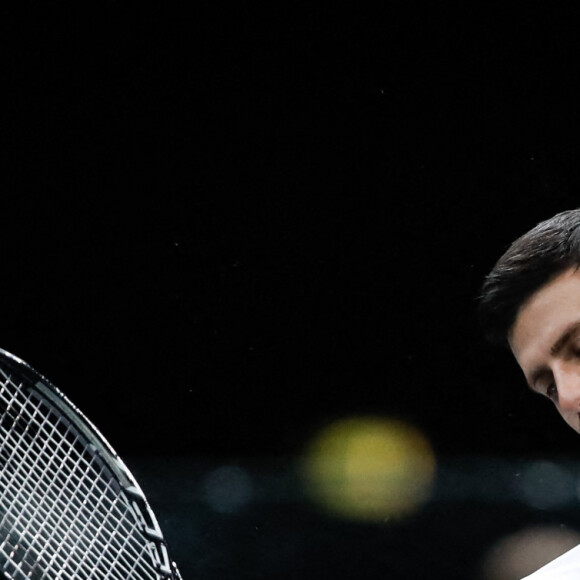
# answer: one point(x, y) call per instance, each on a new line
point(546, 317)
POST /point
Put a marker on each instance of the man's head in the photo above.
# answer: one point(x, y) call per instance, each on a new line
point(530, 302)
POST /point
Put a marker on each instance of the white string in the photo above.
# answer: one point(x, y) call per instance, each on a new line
point(62, 513)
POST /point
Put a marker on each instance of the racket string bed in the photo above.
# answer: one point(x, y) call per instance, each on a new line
point(64, 512)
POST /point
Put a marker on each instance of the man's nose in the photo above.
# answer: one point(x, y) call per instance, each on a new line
point(568, 381)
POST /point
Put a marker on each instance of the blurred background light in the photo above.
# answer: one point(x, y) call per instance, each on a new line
point(369, 468)
point(518, 555)
point(546, 485)
point(227, 489)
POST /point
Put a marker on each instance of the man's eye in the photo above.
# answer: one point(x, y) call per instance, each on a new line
point(551, 391)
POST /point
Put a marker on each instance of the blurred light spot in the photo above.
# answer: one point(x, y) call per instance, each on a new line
point(228, 489)
point(521, 554)
point(545, 485)
point(369, 468)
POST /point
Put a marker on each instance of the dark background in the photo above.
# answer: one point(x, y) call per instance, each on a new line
point(226, 225)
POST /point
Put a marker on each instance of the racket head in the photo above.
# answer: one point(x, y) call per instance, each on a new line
point(69, 506)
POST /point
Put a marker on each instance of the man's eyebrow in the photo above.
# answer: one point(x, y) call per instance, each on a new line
point(565, 337)
point(569, 333)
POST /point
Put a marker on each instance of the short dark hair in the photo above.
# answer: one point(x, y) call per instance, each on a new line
point(547, 250)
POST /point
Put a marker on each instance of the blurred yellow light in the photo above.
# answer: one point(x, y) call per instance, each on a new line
point(369, 468)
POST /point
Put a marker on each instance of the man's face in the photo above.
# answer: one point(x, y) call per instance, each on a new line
point(545, 339)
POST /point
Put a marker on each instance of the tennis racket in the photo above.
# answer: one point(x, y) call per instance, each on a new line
point(70, 509)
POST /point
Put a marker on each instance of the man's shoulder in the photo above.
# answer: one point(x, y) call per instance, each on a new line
point(565, 567)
